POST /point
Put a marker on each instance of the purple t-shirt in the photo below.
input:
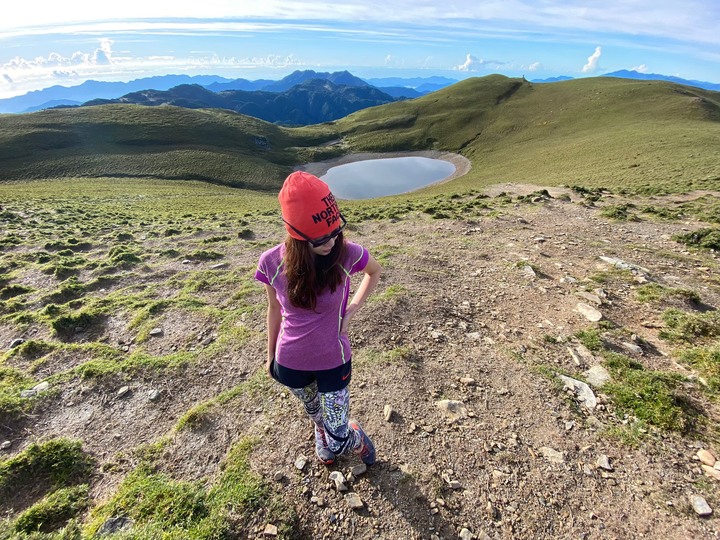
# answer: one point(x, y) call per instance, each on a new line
point(310, 340)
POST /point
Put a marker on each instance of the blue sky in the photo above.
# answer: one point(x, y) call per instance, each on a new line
point(67, 43)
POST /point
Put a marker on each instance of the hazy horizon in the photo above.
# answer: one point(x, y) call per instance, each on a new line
point(269, 40)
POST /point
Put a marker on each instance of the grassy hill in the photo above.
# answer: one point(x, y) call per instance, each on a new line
point(595, 132)
point(131, 141)
point(132, 332)
point(648, 135)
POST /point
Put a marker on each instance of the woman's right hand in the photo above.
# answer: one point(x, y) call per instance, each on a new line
point(268, 367)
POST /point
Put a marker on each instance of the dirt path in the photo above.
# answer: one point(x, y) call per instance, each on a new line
point(457, 316)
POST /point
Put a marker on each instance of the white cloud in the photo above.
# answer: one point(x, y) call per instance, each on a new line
point(470, 63)
point(593, 59)
point(103, 54)
point(696, 19)
point(642, 68)
point(392, 61)
point(534, 66)
point(473, 63)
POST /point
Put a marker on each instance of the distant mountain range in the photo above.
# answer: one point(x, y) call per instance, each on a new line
point(149, 91)
point(308, 102)
point(93, 90)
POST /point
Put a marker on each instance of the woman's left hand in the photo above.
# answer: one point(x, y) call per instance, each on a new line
point(349, 314)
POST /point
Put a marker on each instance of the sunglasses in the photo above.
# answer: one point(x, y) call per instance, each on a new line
point(323, 239)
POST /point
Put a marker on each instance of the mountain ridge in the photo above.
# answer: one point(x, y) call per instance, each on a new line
point(89, 90)
point(312, 101)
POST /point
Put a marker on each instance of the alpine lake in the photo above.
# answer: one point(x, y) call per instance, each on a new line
point(373, 178)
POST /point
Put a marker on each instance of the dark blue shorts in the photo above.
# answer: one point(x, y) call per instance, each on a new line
point(328, 380)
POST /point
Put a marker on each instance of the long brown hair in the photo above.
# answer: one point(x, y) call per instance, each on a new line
point(309, 274)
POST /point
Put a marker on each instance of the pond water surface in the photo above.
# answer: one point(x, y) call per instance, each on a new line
point(389, 176)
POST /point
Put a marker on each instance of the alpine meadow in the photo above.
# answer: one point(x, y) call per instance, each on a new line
point(541, 358)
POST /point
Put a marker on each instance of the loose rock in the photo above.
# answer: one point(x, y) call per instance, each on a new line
point(300, 462)
point(354, 501)
point(552, 455)
point(589, 312)
point(339, 479)
point(706, 457)
point(455, 410)
point(592, 298)
point(388, 413)
point(603, 463)
point(700, 505)
point(583, 392)
point(597, 376)
point(632, 348)
point(712, 472)
point(465, 534)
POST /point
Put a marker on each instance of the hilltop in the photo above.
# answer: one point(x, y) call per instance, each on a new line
point(134, 301)
point(593, 132)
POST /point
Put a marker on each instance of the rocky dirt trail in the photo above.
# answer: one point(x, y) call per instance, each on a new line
point(454, 379)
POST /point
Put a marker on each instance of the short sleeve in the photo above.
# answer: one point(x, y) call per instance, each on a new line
point(260, 276)
point(267, 266)
point(358, 257)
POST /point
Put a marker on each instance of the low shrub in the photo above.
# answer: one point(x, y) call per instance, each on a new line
point(67, 325)
point(619, 212)
point(702, 238)
point(688, 327)
point(205, 255)
point(651, 396)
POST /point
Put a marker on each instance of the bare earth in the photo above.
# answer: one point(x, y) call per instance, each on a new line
point(456, 316)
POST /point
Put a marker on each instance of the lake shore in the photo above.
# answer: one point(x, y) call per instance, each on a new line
point(461, 163)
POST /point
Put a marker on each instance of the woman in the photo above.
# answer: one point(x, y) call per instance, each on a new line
point(308, 283)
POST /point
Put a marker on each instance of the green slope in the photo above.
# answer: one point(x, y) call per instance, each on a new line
point(599, 131)
point(648, 135)
point(212, 145)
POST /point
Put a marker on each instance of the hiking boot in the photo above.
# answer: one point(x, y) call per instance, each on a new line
point(324, 454)
point(366, 450)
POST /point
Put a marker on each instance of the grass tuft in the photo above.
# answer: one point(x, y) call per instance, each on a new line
point(706, 360)
point(703, 238)
point(161, 506)
point(53, 464)
point(682, 326)
point(54, 510)
point(650, 396)
point(653, 292)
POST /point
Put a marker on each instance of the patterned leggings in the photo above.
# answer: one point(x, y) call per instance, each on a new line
point(330, 413)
